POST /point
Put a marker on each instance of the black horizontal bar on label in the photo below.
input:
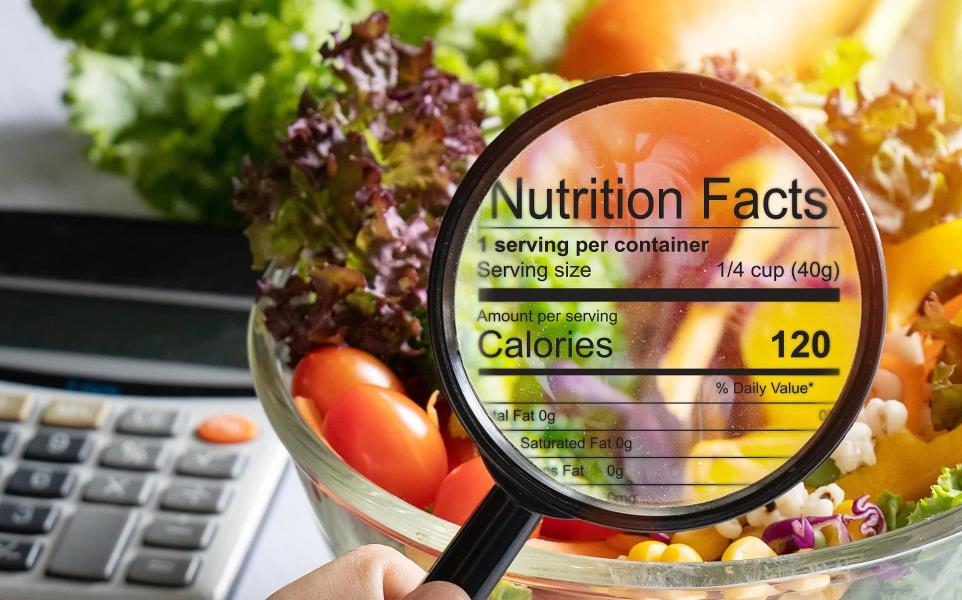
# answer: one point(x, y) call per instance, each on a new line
point(818, 294)
point(699, 430)
point(657, 457)
point(665, 483)
point(652, 371)
point(667, 402)
point(672, 227)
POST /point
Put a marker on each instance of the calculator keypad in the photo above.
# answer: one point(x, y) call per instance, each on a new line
point(131, 496)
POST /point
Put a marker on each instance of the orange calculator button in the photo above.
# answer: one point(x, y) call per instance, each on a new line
point(226, 428)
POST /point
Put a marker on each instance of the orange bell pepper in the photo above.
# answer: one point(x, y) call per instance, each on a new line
point(906, 465)
point(915, 390)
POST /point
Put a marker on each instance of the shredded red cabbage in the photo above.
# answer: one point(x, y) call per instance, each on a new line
point(871, 516)
point(792, 535)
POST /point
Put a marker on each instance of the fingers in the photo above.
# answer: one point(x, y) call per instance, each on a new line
point(369, 572)
point(438, 590)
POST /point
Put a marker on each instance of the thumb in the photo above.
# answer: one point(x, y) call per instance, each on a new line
point(438, 590)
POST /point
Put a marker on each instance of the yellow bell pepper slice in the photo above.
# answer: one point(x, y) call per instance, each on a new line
point(918, 263)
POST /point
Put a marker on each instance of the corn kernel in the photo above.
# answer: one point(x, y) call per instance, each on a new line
point(649, 551)
point(746, 548)
point(680, 553)
point(707, 542)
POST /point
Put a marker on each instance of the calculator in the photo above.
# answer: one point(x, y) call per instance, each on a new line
point(134, 460)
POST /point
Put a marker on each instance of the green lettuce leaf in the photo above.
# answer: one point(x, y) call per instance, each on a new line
point(946, 495)
point(166, 30)
point(179, 130)
point(488, 42)
point(173, 93)
point(895, 509)
point(505, 104)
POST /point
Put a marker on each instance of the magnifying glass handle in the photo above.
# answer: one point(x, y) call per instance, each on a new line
point(481, 552)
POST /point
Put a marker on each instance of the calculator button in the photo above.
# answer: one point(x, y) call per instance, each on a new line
point(210, 463)
point(75, 412)
point(24, 517)
point(180, 533)
point(227, 428)
point(15, 407)
point(58, 446)
point(92, 543)
point(41, 482)
point(118, 489)
point(17, 555)
point(133, 455)
point(195, 498)
point(150, 421)
point(8, 439)
point(168, 571)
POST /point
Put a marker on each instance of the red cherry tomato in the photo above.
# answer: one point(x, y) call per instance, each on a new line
point(460, 450)
point(390, 440)
point(574, 530)
point(462, 490)
point(328, 372)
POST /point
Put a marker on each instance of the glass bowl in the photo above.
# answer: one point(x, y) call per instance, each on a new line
point(919, 562)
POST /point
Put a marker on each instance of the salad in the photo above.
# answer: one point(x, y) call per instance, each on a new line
point(376, 131)
point(347, 296)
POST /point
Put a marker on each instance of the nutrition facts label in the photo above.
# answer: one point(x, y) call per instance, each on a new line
point(650, 326)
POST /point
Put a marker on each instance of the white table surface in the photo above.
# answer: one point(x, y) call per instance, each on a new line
point(42, 168)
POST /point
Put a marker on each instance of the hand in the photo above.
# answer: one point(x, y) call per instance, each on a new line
point(368, 573)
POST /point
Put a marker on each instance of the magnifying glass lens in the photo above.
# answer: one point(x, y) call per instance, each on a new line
point(657, 304)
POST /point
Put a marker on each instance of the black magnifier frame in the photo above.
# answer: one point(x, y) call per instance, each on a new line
point(519, 479)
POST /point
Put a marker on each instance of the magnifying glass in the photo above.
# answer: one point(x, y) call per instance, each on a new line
point(657, 303)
